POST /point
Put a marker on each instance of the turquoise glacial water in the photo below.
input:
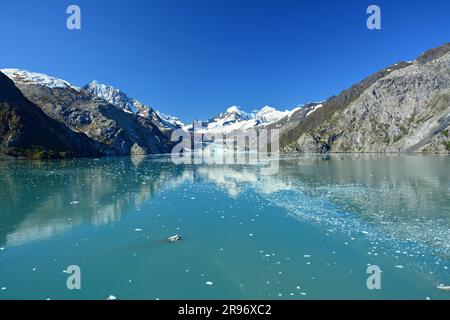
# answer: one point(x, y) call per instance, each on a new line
point(308, 232)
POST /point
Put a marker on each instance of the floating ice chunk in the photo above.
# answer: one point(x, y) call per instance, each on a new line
point(174, 238)
point(74, 202)
point(399, 267)
point(250, 235)
point(3, 288)
point(208, 283)
point(2, 249)
point(111, 297)
point(307, 256)
point(138, 230)
point(442, 287)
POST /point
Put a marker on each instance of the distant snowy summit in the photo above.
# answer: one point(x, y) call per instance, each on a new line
point(235, 119)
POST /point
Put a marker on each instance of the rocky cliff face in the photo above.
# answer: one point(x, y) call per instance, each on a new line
point(116, 97)
point(116, 132)
point(26, 131)
point(403, 108)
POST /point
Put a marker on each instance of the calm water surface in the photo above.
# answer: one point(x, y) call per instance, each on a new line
point(308, 232)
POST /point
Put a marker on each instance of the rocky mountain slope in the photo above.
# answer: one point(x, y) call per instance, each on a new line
point(114, 96)
point(403, 108)
point(115, 131)
point(26, 131)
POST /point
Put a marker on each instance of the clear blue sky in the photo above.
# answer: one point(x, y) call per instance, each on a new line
point(194, 58)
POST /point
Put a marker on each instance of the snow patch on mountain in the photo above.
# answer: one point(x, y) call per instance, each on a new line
point(314, 109)
point(24, 76)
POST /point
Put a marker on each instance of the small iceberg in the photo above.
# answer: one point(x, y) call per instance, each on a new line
point(111, 297)
point(442, 287)
point(174, 238)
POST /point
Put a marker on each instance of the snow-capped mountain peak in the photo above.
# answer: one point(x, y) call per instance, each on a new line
point(117, 97)
point(170, 120)
point(24, 76)
point(233, 113)
point(235, 109)
point(123, 101)
point(235, 119)
point(269, 115)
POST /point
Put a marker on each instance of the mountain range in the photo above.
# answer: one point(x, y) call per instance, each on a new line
point(402, 108)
